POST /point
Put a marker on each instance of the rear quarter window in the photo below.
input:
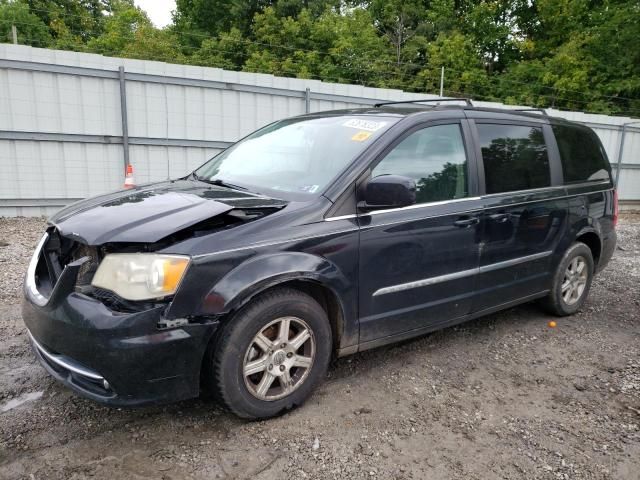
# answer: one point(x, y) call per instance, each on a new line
point(514, 157)
point(581, 153)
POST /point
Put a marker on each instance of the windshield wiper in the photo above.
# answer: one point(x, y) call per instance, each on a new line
point(219, 182)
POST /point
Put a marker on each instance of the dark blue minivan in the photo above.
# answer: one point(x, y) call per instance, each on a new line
point(324, 234)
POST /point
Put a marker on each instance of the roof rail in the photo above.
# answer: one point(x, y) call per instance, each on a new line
point(541, 110)
point(430, 100)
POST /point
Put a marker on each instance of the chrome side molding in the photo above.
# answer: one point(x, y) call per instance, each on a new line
point(514, 261)
point(425, 282)
point(461, 274)
point(483, 197)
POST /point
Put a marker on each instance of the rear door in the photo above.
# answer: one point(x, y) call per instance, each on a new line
point(525, 210)
point(418, 264)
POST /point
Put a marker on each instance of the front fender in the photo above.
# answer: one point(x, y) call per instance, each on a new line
point(261, 272)
point(264, 271)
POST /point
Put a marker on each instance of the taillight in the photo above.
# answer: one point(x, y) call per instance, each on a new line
point(615, 208)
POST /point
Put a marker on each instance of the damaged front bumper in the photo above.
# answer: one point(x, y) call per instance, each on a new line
point(114, 356)
point(120, 359)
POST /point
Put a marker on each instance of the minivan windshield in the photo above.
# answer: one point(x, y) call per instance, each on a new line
point(296, 157)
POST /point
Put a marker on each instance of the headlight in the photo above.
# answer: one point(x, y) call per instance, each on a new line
point(140, 276)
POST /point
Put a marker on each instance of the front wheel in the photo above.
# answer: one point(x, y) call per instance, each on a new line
point(270, 356)
point(572, 281)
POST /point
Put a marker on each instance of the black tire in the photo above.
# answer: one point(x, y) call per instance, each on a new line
point(555, 302)
point(223, 373)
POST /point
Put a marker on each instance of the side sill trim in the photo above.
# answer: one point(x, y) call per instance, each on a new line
point(397, 337)
point(461, 274)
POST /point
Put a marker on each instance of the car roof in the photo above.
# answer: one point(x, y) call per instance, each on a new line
point(406, 110)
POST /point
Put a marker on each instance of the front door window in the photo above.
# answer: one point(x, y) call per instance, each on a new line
point(435, 158)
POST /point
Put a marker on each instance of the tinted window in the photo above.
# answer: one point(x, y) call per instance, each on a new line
point(435, 158)
point(514, 157)
point(582, 156)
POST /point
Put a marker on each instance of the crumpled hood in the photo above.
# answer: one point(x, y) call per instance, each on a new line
point(151, 212)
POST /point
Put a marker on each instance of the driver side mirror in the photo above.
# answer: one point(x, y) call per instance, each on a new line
point(388, 191)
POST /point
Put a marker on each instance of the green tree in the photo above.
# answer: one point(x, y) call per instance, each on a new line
point(490, 24)
point(82, 19)
point(614, 55)
point(150, 43)
point(128, 32)
point(120, 28)
point(356, 52)
point(579, 58)
point(464, 69)
point(30, 28)
point(292, 8)
point(572, 54)
point(336, 47)
point(399, 21)
point(227, 51)
point(200, 18)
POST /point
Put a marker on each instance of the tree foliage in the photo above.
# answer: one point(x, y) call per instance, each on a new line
point(573, 54)
point(32, 31)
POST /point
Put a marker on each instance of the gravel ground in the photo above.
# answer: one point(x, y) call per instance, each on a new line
point(500, 397)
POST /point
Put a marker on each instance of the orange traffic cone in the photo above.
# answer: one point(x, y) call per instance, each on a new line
point(128, 178)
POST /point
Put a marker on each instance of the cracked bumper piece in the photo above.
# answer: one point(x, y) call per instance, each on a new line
point(115, 358)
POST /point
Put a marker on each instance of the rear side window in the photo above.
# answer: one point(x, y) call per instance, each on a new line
point(581, 154)
point(514, 157)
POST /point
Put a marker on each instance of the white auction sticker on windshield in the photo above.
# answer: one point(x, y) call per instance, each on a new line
point(310, 188)
point(368, 125)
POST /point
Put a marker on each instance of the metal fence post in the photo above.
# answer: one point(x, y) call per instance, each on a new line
point(620, 152)
point(123, 115)
point(307, 100)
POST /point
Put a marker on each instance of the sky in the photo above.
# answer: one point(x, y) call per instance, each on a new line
point(159, 11)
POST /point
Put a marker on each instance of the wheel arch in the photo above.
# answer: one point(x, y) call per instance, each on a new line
point(591, 238)
point(316, 276)
point(321, 293)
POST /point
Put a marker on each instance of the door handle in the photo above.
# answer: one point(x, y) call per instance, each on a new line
point(499, 217)
point(466, 222)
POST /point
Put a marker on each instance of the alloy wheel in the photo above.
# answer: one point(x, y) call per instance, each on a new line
point(279, 358)
point(575, 280)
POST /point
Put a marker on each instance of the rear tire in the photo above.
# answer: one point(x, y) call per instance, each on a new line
point(270, 356)
point(571, 281)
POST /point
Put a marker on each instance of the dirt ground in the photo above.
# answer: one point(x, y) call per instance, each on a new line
point(501, 397)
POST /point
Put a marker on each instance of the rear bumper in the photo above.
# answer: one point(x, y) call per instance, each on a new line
point(608, 248)
point(119, 359)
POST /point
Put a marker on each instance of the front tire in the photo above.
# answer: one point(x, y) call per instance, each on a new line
point(270, 356)
point(572, 281)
